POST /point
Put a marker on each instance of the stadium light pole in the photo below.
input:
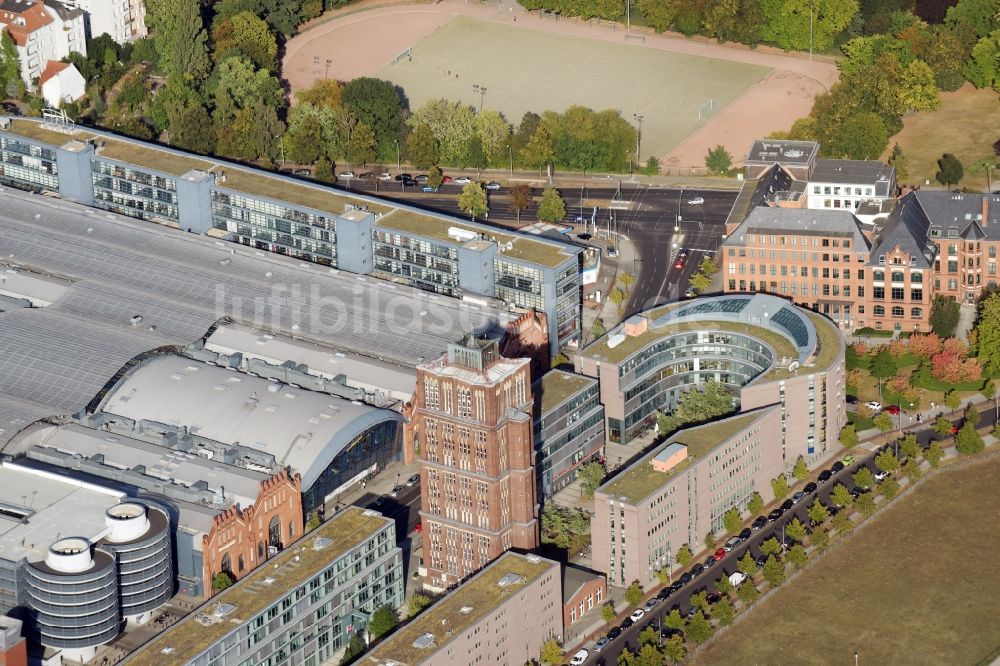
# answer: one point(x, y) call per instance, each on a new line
point(638, 137)
point(628, 16)
point(810, 29)
point(510, 152)
point(476, 88)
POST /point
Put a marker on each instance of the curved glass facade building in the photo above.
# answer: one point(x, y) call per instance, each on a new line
point(139, 536)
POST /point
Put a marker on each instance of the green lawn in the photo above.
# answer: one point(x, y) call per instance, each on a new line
point(915, 588)
point(529, 70)
point(965, 125)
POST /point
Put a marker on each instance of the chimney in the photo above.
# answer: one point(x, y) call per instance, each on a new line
point(986, 209)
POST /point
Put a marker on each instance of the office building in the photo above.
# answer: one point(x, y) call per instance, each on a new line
point(501, 616)
point(679, 492)
point(568, 427)
point(765, 349)
point(471, 427)
point(43, 32)
point(300, 609)
point(309, 222)
point(76, 560)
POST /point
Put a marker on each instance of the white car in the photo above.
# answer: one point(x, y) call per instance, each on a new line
point(736, 579)
point(881, 474)
point(385, 176)
point(493, 185)
point(462, 180)
point(697, 201)
point(346, 175)
point(637, 615)
point(874, 405)
point(579, 657)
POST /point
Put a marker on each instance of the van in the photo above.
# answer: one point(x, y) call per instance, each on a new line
point(737, 579)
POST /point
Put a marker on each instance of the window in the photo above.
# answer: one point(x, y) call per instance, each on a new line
point(917, 313)
point(898, 293)
point(879, 311)
point(916, 278)
point(897, 311)
point(878, 292)
point(916, 294)
point(227, 563)
point(897, 276)
point(878, 276)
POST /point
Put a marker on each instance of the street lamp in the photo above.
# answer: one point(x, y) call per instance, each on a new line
point(398, 170)
point(638, 137)
point(510, 152)
point(481, 90)
point(282, 144)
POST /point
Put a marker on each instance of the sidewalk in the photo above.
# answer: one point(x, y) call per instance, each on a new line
point(874, 435)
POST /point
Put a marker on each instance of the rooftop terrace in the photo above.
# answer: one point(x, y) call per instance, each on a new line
point(252, 594)
point(151, 158)
point(318, 197)
point(639, 480)
point(40, 132)
point(481, 594)
point(556, 386)
point(526, 249)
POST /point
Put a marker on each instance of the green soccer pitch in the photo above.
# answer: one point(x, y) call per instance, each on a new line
point(530, 70)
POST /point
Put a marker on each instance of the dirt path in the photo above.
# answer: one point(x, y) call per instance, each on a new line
point(361, 39)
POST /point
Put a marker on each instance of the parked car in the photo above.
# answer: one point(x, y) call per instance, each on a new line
point(413, 480)
point(685, 578)
point(580, 657)
point(396, 490)
point(833, 509)
point(651, 603)
point(690, 292)
point(709, 561)
point(731, 543)
point(614, 633)
point(880, 475)
point(745, 533)
point(601, 644)
point(758, 524)
point(775, 514)
point(697, 569)
point(892, 409)
point(786, 505)
point(664, 593)
point(346, 175)
point(429, 188)
point(858, 491)
point(385, 175)
point(367, 175)
point(691, 612)
point(462, 180)
point(761, 561)
point(697, 201)
point(809, 488)
point(303, 173)
point(627, 623)
point(737, 578)
point(798, 496)
point(847, 460)
point(825, 475)
point(445, 179)
point(837, 467)
point(714, 597)
point(419, 528)
point(422, 178)
point(874, 405)
point(853, 400)
point(403, 176)
point(675, 586)
point(493, 185)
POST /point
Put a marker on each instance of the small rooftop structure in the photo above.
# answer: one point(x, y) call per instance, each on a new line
point(670, 457)
point(765, 152)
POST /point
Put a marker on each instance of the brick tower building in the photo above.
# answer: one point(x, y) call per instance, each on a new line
point(471, 423)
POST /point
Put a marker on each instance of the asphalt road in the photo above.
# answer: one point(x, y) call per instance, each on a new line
point(706, 581)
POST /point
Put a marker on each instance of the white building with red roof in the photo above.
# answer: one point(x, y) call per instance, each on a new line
point(61, 82)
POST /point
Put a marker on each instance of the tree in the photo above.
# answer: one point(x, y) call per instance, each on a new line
point(818, 513)
point(520, 199)
point(801, 471)
point(608, 613)
point(551, 652)
point(699, 282)
point(422, 147)
point(770, 546)
point(841, 496)
point(709, 539)
point(659, 14)
point(674, 620)
point(978, 15)
point(552, 208)
point(919, 90)
point(724, 612)
point(305, 141)
point(435, 177)
point(747, 564)
point(675, 649)
point(820, 538)
point(627, 280)
point(865, 504)
point(598, 328)
point(889, 488)
point(779, 485)
point(982, 67)
point(361, 146)
point(796, 530)
point(473, 200)
point(616, 296)
point(591, 476)
point(756, 504)
point(898, 161)
point(933, 454)
point(539, 151)
point(179, 38)
point(376, 104)
point(883, 422)
point(700, 600)
point(988, 335)
point(633, 595)
point(355, 648)
point(944, 314)
point(942, 426)
point(909, 446)
point(245, 34)
point(719, 161)
point(684, 555)
point(708, 266)
point(723, 586)
point(221, 581)
point(952, 399)
point(797, 555)
point(886, 461)
point(416, 604)
point(493, 131)
point(842, 522)
point(698, 629)
point(313, 522)
point(649, 636)
point(731, 519)
point(787, 22)
point(382, 621)
point(849, 436)
point(883, 365)
point(912, 470)
point(967, 440)
point(864, 478)
point(774, 571)
point(862, 136)
point(325, 93)
point(747, 593)
point(950, 171)
point(190, 125)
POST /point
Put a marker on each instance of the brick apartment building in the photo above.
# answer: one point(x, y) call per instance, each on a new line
point(471, 423)
point(881, 270)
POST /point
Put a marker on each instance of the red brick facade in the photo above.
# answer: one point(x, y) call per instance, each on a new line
point(586, 600)
point(240, 539)
point(472, 433)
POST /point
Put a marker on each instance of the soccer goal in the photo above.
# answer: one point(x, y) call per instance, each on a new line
point(403, 55)
point(706, 109)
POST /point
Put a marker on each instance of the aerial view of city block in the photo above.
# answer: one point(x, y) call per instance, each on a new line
point(499, 332)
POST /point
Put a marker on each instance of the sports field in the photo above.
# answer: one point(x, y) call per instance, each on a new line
point(918, 586)
point(530, 70)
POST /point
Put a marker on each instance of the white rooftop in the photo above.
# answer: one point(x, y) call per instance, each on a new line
point(302, 429)
point(55, 506)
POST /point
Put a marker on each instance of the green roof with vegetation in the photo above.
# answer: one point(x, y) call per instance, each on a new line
point(251, 595)
point(40, 132)
point(482, 594)
point(150, 158)
point(557, 386)
point(640, 479)
point(523, 248)
point(317, 197)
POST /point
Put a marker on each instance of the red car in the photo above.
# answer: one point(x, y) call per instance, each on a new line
point(418, 528)
point(446, 179)
point(679, 264)
point(719, 554)
point(892, 409)
point(954, 429)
